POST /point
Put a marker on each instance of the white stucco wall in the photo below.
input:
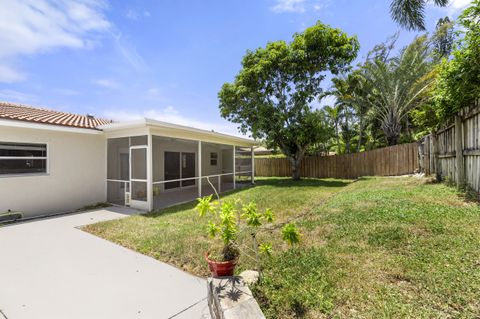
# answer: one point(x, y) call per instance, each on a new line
point(75, 178)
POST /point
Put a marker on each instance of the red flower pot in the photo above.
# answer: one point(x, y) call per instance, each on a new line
point(221, 268)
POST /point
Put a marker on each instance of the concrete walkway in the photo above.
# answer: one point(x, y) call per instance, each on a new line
point(51, 269)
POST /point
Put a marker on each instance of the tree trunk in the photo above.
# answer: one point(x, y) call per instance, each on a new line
point(338, 139)
point(360, 133)
point(392, 130)
point(347, 133)
point(296, 172)
point(296, 160)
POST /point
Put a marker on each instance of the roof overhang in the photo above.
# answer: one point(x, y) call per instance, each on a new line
point(48, 127)
point(177, 131)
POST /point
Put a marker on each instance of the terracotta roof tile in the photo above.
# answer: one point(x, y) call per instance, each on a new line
point(19, 112)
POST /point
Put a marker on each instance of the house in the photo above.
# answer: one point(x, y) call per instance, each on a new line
point(53, 162)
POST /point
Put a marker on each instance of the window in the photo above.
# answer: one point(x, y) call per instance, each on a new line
point(213, 159)
point(22, 158)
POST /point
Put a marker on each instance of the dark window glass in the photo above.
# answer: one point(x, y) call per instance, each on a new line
point(21, 158)
point(213, 159)
point(23, 150)
point(22, 166)
point(172, 169)
point(188, 168)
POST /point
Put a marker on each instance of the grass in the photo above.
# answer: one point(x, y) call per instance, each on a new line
point(376, 248)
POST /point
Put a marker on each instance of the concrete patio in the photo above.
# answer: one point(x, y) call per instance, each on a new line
point(51, 269)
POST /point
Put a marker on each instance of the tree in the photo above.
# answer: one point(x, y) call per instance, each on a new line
point(443, 38)
point(458, 83)
point(272, 94)
point(333, 115)
point(398, 86)
point(410, 14)
point(352, 93)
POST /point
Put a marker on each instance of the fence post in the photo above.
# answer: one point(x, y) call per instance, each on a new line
point(421, 155)
point(459, 162)
point(436, 160)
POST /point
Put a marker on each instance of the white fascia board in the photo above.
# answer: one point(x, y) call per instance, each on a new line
point(201, 132)
point(48, 127)
point(123, 125)
point(165, 125)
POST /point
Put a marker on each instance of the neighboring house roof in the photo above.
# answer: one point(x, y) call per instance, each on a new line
point(19, 112)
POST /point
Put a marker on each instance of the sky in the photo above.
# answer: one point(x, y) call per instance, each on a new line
point(162, 59)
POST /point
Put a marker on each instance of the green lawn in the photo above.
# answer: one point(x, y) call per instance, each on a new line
point(376, 248)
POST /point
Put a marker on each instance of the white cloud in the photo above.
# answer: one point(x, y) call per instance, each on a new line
point(154, 94)
point(66, 92)
point(171, 115)
point(30, 27)
point(153, 91)
point(106, 83)
point(456, 6)
point(132, 14)
point(289, 6)
point(16, 96)
point(299, 6)
point(10, 75)
point(329, 100)
point(129, 52)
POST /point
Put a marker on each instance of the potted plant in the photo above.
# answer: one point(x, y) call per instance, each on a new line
point(227, 219)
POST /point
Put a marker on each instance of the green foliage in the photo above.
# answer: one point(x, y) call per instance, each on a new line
point(228, 222)
point(291, 234)
point(225, 222)
point(205, 206)
point(410, 14)
point(398, 85)
point(458, 83)
point(251, 215)
point(443, 38)
point(266, 248)
point(268, 215)
point(271, 96)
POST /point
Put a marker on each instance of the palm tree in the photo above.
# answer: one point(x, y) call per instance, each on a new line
point(398, 86)
point(410, 14)
point(342, 91)
point(333, 114)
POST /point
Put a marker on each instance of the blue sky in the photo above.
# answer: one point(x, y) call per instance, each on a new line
point(163, 59)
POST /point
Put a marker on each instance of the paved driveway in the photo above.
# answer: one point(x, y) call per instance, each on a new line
point(51, 269)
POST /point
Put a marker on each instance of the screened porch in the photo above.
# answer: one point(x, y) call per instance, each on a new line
point(156, 171)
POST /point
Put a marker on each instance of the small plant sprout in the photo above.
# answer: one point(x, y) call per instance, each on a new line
point(291, 234)
point(205, 206)
point(266, 248)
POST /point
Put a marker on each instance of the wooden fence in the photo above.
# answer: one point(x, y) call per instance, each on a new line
point(388, 161)
point(453, 152)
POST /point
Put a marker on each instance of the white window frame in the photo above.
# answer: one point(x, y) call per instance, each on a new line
point(46, 158)
point(216, 158)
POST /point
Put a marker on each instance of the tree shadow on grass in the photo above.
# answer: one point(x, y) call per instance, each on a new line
point(306, 182)
point(264, 181)
point(188, 205)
